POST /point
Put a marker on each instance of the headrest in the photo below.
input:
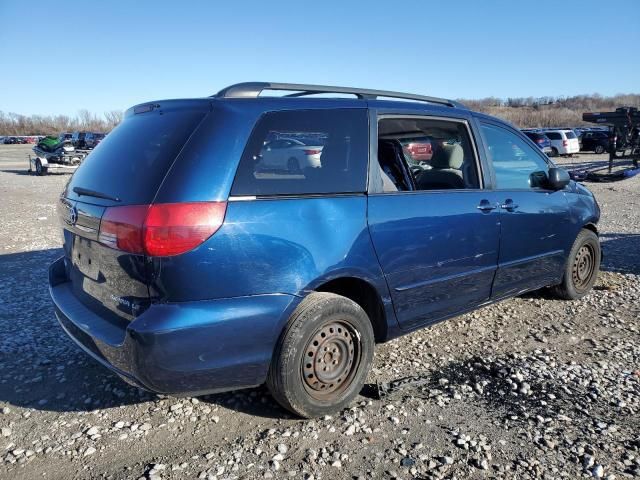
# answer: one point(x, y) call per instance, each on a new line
point(448, 156)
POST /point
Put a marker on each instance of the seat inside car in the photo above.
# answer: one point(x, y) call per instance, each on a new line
point(446, 170)
point(393, 167)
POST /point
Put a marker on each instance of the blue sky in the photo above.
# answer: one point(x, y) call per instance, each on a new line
point(110, 55)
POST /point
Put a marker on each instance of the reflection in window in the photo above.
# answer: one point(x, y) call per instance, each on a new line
point(516, 164)
point(305, 152)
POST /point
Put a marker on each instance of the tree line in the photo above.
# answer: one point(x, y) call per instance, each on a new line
point(531, 112)
point(523, 112)
point(26, 125)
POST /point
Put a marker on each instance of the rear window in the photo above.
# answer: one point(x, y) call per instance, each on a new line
point(132, 160)
point(305, 152)
point(570, 135)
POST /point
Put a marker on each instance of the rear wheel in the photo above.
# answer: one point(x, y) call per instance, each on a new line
point(599, 149)
point(582, 267)
point(323, 356)
point(554, 152)
point(293, 165)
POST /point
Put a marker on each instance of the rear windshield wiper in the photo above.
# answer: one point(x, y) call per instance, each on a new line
point(92, 193)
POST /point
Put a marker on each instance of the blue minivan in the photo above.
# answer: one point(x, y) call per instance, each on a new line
point(271, 234)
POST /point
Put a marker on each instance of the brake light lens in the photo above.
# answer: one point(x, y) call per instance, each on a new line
point(160, 230)
point(121, 228)
point(565, 143)
point(175, 228)
point(312, 152)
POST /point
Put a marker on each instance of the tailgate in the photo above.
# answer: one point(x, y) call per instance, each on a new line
point(111, 283)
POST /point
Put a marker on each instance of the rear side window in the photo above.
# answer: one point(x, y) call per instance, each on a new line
point(305, 152)
point(553, 135)
point(132, 160)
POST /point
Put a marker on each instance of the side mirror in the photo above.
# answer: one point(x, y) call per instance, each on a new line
point(558, 178)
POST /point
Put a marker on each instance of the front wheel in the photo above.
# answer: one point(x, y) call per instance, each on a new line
point(599, 149)
point(323, 356)
point(583, 265)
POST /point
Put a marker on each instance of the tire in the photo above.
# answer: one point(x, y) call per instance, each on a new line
point(40, 170)
point(599, 149)
point(581, 270)
point(554, 152)
point(293, 165)
point(325, 331)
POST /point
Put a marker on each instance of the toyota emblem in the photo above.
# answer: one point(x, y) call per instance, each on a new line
point(73, 215)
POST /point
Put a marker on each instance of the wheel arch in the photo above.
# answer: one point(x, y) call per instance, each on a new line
point(591, 226)
point(364, 294)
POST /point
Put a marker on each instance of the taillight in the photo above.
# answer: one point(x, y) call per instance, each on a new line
point(540, 140)
point(311, 152)
point(565, 143)
point(174, 228)
point(121, 228)
point(162, 229)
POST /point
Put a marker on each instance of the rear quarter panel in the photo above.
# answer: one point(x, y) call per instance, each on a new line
point(274, 246)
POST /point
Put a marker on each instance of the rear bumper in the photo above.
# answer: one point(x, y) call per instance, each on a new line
point(187, 348)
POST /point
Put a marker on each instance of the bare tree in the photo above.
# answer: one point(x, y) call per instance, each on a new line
point(523, 112)
point(113, 118)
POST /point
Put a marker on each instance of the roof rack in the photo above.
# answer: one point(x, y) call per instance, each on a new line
point(254, 89)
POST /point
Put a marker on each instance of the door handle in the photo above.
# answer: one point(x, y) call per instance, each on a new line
point(486, 206)
point(508, 205)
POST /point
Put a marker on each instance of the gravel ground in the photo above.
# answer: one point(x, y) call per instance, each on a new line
point(529, 388)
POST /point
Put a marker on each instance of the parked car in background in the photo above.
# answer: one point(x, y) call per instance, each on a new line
point(187, 270)
point(91, 140)
point(419, 149)
point(289, 154)
point(563, 142)
point(12, 141)
point(541, 140)
point(65, 137)
point(595, 141)
point(78, 139)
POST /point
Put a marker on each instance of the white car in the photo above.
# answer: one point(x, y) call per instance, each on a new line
point(289, 154)
point(563, 142)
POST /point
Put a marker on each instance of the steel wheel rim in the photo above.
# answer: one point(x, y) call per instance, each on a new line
point(583, 267)
point(331, 360)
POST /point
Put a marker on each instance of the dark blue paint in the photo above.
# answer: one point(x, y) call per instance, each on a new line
point(439, 252)
point(208, 320)
point(533, 243)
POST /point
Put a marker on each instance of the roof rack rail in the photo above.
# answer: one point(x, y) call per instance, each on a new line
point(254, 89)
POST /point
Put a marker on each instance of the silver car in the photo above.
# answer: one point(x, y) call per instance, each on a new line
point(289, 154)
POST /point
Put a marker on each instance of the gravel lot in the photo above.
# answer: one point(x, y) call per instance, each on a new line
point(529, 388)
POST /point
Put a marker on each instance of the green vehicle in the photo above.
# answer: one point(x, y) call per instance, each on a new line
point(50, 143)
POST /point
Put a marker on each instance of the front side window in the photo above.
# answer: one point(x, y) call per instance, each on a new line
point(516, 164)
point(425, 154)
point(300, 152)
